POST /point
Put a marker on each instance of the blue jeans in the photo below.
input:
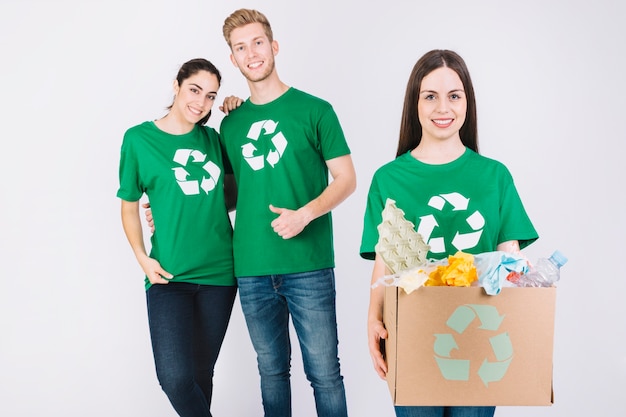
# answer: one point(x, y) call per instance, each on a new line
point(187, 326)
point(309, 297)
point(445, 411)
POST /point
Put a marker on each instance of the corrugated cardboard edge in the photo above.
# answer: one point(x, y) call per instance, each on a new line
point(390, 313)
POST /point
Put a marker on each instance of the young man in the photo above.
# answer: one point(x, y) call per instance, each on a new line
point(282, 143)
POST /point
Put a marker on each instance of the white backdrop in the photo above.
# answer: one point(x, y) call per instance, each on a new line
point(549, 79)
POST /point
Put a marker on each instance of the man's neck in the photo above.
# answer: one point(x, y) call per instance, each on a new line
point(268, 90)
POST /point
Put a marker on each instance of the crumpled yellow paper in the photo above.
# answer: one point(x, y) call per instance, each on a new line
point(460, 272)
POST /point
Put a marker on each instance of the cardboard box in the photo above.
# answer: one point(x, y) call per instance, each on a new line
point(460, 346)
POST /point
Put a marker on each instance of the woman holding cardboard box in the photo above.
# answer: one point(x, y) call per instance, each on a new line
point(437, 160)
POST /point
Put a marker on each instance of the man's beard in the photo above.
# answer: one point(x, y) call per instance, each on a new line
point(259, 77)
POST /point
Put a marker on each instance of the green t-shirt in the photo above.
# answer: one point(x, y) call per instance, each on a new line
point(470, 204)
point(183, 176)
point(278, 152)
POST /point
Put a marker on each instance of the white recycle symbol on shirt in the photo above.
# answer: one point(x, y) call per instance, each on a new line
point(265, 127)
point(192, 186)
point(461, 241)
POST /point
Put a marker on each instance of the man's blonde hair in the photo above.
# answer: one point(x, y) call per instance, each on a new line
point(244, 17)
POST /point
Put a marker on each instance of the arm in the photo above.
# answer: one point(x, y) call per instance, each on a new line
point(134, 234)
point(511, 246)
point(375, 327)
point(290, 223)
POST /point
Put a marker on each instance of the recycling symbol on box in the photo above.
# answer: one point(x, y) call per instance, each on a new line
point(459, 321)
point(461, 241)
point(184, 157)
point(259, 130)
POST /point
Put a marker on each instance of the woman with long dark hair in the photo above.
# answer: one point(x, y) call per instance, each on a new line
point(190, 286)
point(437, 158)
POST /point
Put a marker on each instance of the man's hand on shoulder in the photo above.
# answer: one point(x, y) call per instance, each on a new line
point(230, 104)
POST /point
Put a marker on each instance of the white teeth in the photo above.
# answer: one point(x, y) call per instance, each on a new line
point(255, 65)
point(443, 122)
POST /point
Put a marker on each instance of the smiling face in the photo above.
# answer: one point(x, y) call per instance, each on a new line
point(195, 96)
point(252, 52)
point(442, 105)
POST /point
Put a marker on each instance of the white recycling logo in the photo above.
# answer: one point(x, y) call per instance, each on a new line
point(261, 129)
point(184, 157)
point(461, 241)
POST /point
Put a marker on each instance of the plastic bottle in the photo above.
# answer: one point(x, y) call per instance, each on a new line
point(545, 272)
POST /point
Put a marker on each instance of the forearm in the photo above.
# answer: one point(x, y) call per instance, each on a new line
point(336, 192)
point(290, 222)
point(340, 188)
point(132, 228)
point(375, 310)
point(375, 326)
point(134, 234)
